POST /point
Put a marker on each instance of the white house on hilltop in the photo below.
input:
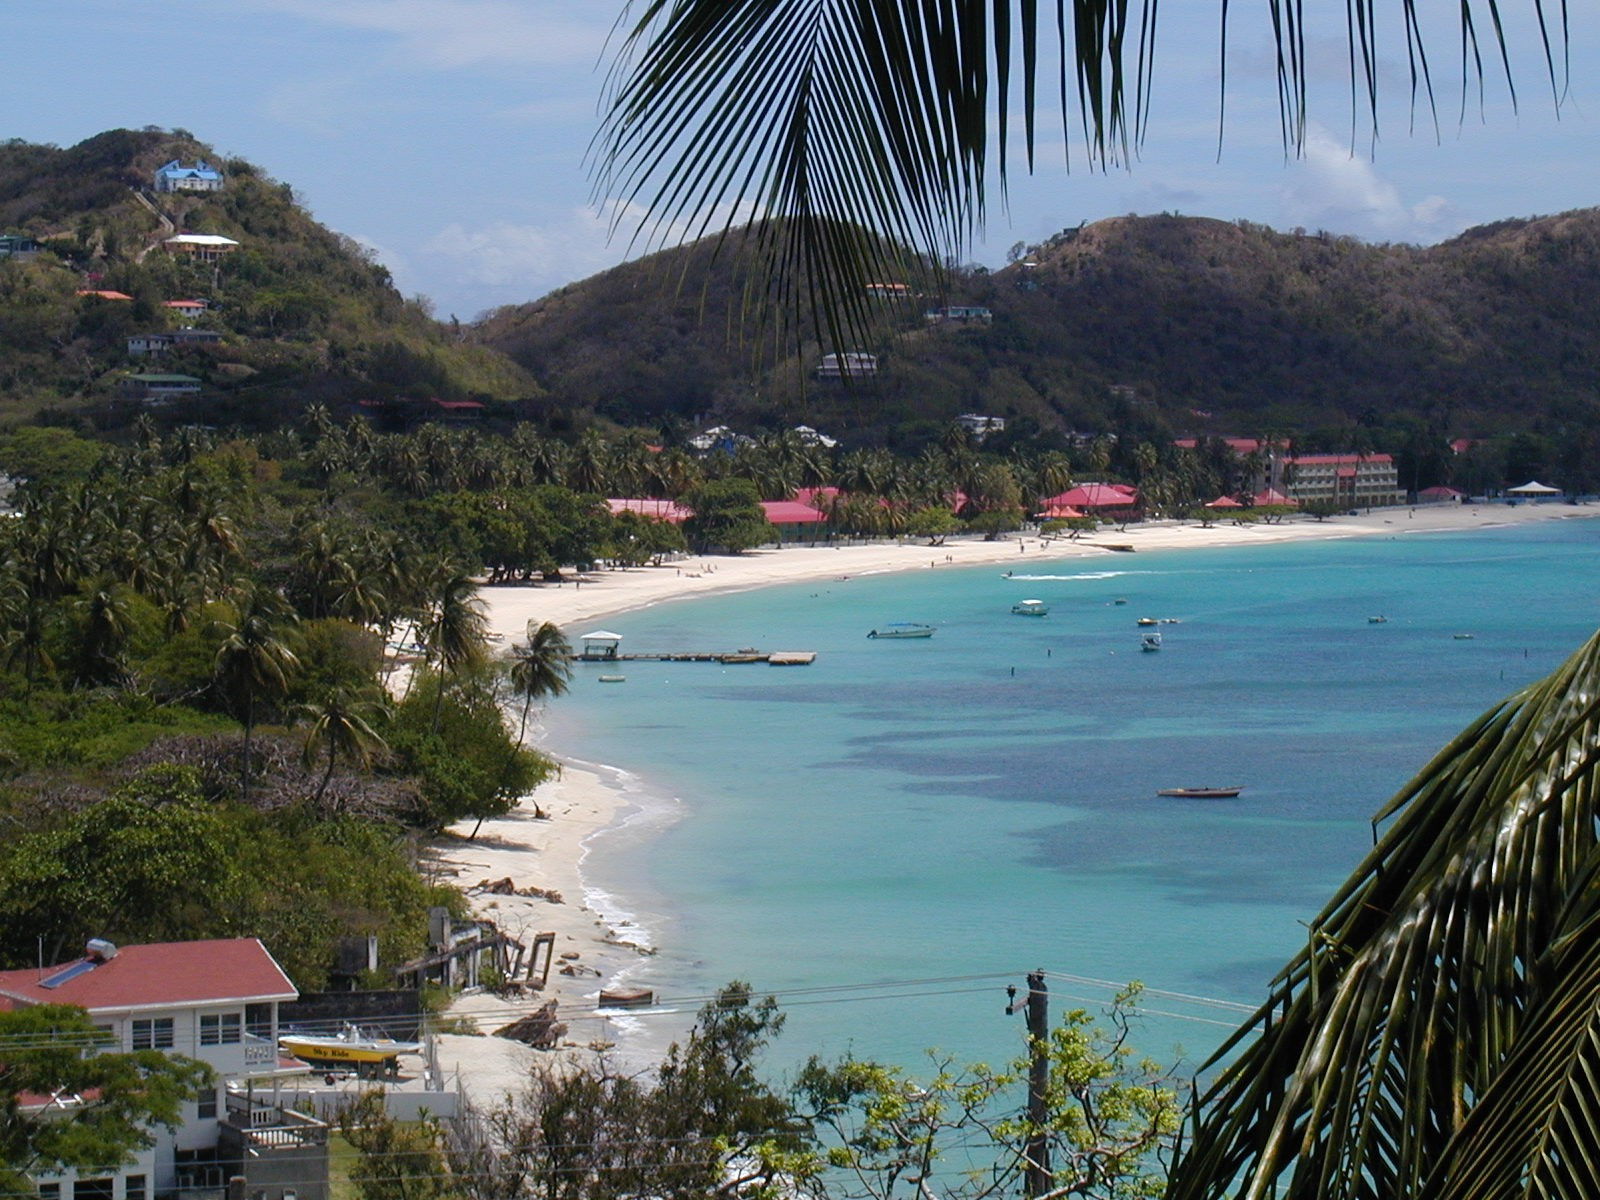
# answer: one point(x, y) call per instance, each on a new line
point(216, 1001)
point(175, 177)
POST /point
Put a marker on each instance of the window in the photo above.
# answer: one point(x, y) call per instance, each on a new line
point(49, 1191)
point(105, 1035)
point(134, 1189)
point(93, 1189)
point(258, 1020)
point(220, 1029)
point(207, 1108)
point(153, 1033)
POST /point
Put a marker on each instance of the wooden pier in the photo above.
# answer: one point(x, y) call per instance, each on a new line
point(774, 658)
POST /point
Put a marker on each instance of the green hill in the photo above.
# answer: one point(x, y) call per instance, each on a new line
point(304, 312)
point(1207, 325)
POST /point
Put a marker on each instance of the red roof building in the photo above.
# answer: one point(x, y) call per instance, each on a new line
point(1097, 496)
point(658, 510)
point(792, 512)
point(158, 975)
point(1346, 479)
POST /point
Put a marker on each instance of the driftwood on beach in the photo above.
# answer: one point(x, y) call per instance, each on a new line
point(540, 1029)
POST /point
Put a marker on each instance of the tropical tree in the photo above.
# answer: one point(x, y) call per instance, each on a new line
point(541, 668)
point(454, 632)
point(341, 723)
point(1438, 1035)
point(865, 135)
point(254, 661)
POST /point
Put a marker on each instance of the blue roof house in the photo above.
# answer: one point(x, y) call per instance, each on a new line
point(175, 177)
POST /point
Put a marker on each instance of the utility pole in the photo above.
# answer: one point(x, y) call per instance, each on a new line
point(1036, 1174)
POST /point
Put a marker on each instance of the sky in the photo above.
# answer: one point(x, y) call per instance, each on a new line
point(451, 136)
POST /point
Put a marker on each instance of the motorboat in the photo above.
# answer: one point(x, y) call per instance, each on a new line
point(1377, 620)
point(1150, 642)
point(1147, 621)
point(1201, 793)
point(902, 629)
point(613, 679)
point(351, 1047)
point(1031, 608)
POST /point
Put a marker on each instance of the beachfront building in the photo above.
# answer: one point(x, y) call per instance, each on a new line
point(175, 177)
point(216, 1001)
point(1440, 495)
point(1348, 480)
point(796, 521)
point(1113, 501)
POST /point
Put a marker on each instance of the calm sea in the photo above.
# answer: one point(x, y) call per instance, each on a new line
point(983, 802)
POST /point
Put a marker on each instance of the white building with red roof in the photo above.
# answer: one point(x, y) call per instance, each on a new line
point(215, 1001)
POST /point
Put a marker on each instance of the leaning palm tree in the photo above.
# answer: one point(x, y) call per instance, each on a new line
point(541, 668)
point(1439, 1036)
point(341, 723)
point(254, 660)
point(864, 135)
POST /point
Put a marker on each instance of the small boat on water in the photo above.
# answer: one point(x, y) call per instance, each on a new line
point(902, 629)
point(1462, 637)
point(1147, 621)
point(613, 679)
point(1201, 793)
point(1031, 608)
point(1377, 620)
point(1120, 600)
point(1150, 642)
point(352, 1047)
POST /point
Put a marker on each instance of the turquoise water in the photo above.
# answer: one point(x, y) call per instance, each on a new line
point(983, 801)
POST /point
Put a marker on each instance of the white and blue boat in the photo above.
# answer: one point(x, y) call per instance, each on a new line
point(902, 629)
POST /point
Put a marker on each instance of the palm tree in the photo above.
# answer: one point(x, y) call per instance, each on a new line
point(453, 632)
point(829, 118)
point(341, 722)
point(541, 668)
point(1438, 1036)
point(254, 660)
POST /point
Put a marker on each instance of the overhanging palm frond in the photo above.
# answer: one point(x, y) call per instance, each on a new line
point(1434, 969)
point(1536, 1131)
point(860, 136)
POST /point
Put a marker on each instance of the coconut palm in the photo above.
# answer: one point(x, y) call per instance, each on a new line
point(541, 668)
point(453, 632)
point(254, 660)
point(1439, 1035)
point(341, 722)
point(838, 120)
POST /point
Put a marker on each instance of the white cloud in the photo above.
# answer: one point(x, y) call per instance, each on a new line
point(1331, 188)
point(450, 34)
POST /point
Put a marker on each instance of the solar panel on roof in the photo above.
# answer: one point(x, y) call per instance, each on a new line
point(71, 973)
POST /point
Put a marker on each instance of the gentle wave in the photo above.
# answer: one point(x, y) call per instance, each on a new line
point(1083, 575)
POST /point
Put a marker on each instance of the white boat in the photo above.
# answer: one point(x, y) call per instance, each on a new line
point(902, 629)
point(1031, 608)
point(351, 1046)
point(1150, 642)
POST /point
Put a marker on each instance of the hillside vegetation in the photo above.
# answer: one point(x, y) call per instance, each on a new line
point(1212, 326)
point(304, 312)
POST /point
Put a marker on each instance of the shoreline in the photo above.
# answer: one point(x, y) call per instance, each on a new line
point(589, 801)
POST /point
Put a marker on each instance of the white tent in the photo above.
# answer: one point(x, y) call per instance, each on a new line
point(1533, 488)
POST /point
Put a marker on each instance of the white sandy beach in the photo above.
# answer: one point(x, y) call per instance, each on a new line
point(582, 804)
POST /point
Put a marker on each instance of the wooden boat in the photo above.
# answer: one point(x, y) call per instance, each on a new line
point(1031, 608)
point(902, 629)
point(1201, 793)
point(626, 997)
point(351, 1047)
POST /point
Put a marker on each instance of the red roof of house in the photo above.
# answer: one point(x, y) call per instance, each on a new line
point(1224, 502)
point(1340, 460)
point(792, 512)
point(104, 295)
point(458, 405)
point(183, 304)
point(1274, 496)
point(1060, 512)
point(812, 495)
point(158, 975)
point(660, 510)
point(1447, 493)
point(1097, 495)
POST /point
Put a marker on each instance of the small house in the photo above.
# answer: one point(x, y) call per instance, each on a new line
point(794, 521)
point(187, 309)
point(852, 364)
point(175, 177)
point(203, 247)
point(195, 337)
point(142, 344)
point(960, 314)
point(154, 389)
point(14, 245)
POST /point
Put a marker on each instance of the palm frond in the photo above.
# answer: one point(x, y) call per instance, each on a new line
point(859, 137)
point(1421, 976)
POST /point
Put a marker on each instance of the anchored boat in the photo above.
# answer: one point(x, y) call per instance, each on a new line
point(902, 629)
point(1031, 608)
point(1201, 793)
